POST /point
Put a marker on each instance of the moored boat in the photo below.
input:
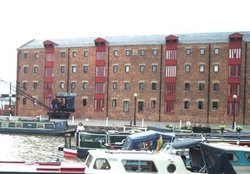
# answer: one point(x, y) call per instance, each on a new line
point(87, 140)
point(35, 126)
point(192, 150)
point(111, 161)
point(21, 167)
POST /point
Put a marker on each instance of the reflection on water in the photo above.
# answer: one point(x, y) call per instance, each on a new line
point(30, 147)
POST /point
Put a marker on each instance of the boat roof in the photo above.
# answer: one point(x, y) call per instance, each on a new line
point(132, 141)
point(229, 147)
point(133, 154)
point(215, 37)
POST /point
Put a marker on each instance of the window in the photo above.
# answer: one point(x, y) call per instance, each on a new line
point(188, 51)
point(140, 106)
point(153, 103)
point(216, 51)
point(215, 86)
point(169, 106)
point(125, 106)
point(154, 68)
point(35, 70)
point(114, 103)
point(170, 71)
point(73, 85)
point(98, 104)
point(61, 85)
point(202, 68)
point(35, 85)
point(99, 88)
point(135, 52)
point(234, 71)
point(187, 68)
point(73, 68)
point(101, 164)
point(25, 55)
point(24, 101)
point(74, 54)
point(187, 86)
point(85, 54)
point(115, 53)
point(84, 85)
point(25, 70)
point(215, 105)
point(153, 86)
point(216, 68)
point(128, 52)
point(36, 55)
point(25, 85)
point(34, 100)
point(201, 86)
point(141, 86)
point(140, 166)
point(202, 51)
point(142, 68)
point(200, 105)
point(63, 54)
point(186, 104)
point(142, 52)
point(62, 69)
point(85, 68)
point(126, 86)
point(114, 86)
point(233, 88)
point(115, 68)
point(154, 52)
point(84, 102)
point(169, 88)
point(127, 68)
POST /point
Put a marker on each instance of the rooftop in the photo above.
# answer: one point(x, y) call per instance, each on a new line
point(192, 38)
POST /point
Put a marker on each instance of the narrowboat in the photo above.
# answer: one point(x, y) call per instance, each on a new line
point(87, 140)
point(35, 126)
point(22, 167)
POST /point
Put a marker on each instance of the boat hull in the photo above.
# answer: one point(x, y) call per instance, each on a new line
point(15, 167)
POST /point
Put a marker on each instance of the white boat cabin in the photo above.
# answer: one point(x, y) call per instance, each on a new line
point(118, 161)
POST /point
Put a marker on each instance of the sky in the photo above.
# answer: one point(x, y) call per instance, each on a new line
point(24, 20)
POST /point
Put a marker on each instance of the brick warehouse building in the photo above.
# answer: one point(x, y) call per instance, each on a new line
point(189, 77)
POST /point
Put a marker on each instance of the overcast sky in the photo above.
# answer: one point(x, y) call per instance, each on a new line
point(24, 20)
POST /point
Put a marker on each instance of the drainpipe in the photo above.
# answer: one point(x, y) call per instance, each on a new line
point(209, 83)
point(160, 90)
point(245, 86)
point(68, 72)
point(107, 99)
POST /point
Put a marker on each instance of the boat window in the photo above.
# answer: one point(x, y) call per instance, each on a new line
point(11, 124)
point(101, 164)
point(89, 160)
point(139, 166)
point(247, 155)
point(40, 125)
point(29, 125)
point(93, 140)
point(49, 126)
point(18, 124)
point(232, 156)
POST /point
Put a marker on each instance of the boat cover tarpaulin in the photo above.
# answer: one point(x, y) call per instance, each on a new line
point(135, 141)
point(216, 160)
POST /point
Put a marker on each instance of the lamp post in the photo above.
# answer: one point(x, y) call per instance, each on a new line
point(234, 110)
point(135, 96)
